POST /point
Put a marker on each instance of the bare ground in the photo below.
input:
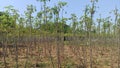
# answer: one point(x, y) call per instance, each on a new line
point(71, 56)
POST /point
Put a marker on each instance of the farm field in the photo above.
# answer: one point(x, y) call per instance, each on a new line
point(71, 56)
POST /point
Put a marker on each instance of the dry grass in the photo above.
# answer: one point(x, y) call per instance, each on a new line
point(72, 57)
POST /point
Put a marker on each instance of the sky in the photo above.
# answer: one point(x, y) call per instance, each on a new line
point(73, 6)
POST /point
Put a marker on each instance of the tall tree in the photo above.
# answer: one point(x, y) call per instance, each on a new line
point(15, 17)
point(56, 12)
point(30, 10)
point(92, 12)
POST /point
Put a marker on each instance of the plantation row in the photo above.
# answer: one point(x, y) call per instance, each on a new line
point(50, 40)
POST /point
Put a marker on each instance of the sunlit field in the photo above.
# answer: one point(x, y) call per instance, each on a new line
point(50, 34)
point(44, 53)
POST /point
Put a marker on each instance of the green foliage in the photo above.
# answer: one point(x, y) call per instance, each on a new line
point(6, 22)
point(50, 21)
point(64, 28)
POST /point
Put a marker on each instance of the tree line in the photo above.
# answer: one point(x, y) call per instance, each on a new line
point(51, 20)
